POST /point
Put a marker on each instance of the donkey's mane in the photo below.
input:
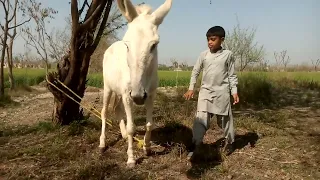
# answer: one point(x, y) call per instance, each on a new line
point(144, 9)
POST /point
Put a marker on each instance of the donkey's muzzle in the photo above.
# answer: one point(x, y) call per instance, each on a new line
point(139, 99)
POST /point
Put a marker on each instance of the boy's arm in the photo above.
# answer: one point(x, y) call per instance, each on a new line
point(233, 79)
point(196, 71)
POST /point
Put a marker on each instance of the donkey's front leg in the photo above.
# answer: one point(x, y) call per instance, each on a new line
point(106, 99)
point(149, 124)
point(130, 130)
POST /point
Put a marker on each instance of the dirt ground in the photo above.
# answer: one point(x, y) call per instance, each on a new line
point(279, 143)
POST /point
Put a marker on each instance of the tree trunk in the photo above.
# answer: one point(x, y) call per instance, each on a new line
point(11, 78)
point(3, 53)
point(73, 68)
point(10, 64)
point(65, 109)
point(2, 77)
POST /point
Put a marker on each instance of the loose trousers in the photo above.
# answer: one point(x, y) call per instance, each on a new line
point(202, 122)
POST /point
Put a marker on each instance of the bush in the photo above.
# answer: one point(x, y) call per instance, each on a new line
point(255, 89)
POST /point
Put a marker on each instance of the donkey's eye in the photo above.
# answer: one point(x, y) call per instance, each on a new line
point(153, 47)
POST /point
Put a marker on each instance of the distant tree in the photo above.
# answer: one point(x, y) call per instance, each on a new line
point(184, 66)
point(282, 59)
point(38, 37)
point(263, 64)
point(315, 63)
point(58, 41)
point(163, 67)
point(242, 43)
point(10, 8)
point(174, 62)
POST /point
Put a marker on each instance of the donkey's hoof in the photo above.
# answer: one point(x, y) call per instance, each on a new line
point(131, 164)
point(147, 151)
point(124, 136)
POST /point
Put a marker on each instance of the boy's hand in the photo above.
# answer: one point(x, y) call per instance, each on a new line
point(188, 94)
point(235, 99)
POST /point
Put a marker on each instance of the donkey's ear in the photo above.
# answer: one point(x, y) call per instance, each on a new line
point(162, 12)
point(127, 9)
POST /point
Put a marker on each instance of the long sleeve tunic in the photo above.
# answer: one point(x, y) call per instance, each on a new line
point(218, 80)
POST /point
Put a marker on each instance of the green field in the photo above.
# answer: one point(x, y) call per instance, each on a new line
point(25, 76)
point(167, 78)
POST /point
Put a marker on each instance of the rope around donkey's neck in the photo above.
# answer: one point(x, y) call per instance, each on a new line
point(95, 111)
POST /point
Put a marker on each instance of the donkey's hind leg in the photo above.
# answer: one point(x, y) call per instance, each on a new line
point(120, 115)
point(149, 124)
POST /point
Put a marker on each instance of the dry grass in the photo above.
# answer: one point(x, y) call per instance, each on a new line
point(274, 143)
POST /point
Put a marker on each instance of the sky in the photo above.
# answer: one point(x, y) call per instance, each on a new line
point(281, 25)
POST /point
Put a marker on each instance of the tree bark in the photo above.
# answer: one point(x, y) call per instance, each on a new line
point(3, 53)
point(73, 68)
point(10, 64)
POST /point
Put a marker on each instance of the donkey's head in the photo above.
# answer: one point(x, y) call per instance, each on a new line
point(142, 39)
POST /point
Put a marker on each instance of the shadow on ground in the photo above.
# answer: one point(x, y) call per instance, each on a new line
point(107, 171)
point(170, 136)
point(210, 154)
point(175, 135)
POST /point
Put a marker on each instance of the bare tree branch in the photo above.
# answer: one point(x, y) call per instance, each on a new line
point(20, 24)
point(315, 63)
point(241, 43)
point(94, 15)
point(103, 24)
point(281, 58)
point(4, 6)
point(85, 3)
point(14, 10)
point(39, 37)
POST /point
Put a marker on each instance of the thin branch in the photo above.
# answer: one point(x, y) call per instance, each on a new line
point(91, 18)
point(114, 29)
point(85, 3)
point(19, 24)
point(34, 41)
point(4, 6)
point(2, 27)
point(103, 23)
point(14, 11)
point(1, 40)
point(114, 19)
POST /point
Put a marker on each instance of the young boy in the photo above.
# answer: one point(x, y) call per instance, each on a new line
point(218, 79)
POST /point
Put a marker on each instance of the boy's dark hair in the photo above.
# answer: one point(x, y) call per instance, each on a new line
point(216, 31)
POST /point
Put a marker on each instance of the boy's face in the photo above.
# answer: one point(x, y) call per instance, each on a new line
point(214, 42)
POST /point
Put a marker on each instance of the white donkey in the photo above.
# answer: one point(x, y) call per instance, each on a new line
point(130, 71)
